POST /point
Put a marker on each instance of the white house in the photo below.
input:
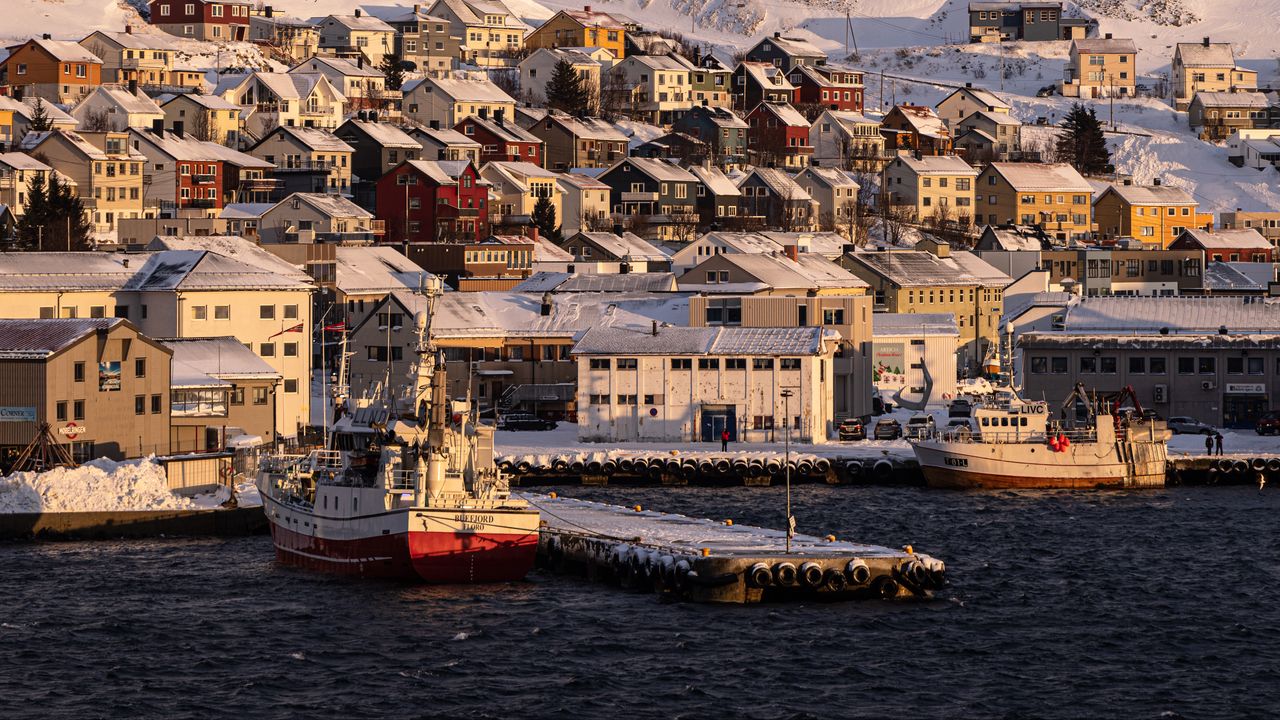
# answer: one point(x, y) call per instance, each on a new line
point(685, 384)
point(905, 345)
point(112, 107)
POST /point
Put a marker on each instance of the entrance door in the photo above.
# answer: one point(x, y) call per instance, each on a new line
point(715, 420)
point(1243, 411)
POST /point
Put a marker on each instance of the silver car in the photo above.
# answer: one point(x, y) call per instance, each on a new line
point(1183, 425)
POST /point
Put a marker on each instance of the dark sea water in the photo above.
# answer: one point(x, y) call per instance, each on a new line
point(1064, 605)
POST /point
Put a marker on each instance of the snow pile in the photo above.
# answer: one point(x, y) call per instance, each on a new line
point(97, 486)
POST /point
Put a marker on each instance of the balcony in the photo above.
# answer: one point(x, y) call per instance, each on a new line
point(633, 197)
point(200, 204)
point(358, 237)
point(202, 179)
point(301, 166)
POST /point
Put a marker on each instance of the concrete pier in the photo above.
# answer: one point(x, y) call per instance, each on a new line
point(708, 561)
point(638, 468)
point(1250, 468)
point(230, 522)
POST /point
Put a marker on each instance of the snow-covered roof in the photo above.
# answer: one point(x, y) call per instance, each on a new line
point(212, 362)
point(204, 270)
point(581, 182)
point(362, 23)
point(1179, 314)
point(67, 270)
point(674, 340)
point(21, 161)
point(545, 251)
point(573, 56)
point(627, 246)
point(658, 169)
point(825, 243)
point(234, 247)
point(997, 118)
point(132, 103)
point(376, 269)
point(245, 211)
point(1224, 277)
point(923, 120)
point(138, 40)
point(1105, 46)
point(1010, 239)
point(809, 271)
point(1151, 194)
point(652, 282)
point(919, 268)
point(468, 89)
point(38, 339)
point(1206, 55)
point(589, 127)
point(505, 131)
point(316, 139)
point(208, 102)
point(767, 75)
point(982, 96)
point(778, 181)
point(66, 51)
point(716, 181)
point(342, 66)
point(658, 62)
point(446, 137)
point(1227, 238)
point(829, 176)
point(334, 206)
point(718, 116)
point(1042, 176)
point(794, 46)
point(937, 165)
point(785, 113)
point(913, 324)
point(519, 314)
point(385, 134)
point(1231, 99)
point(594, 18)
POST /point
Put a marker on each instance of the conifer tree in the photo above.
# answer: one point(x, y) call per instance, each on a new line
point(49, 214)
point(393, 71)
point(566, 91)
point(39, 117)
point(544, 218)
point(1082, 143)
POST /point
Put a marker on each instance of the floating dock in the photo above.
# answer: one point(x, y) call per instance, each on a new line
point(638, 468)
point(708, 561)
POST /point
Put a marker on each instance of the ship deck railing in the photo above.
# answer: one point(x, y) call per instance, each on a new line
point(1017, 438)
point(400, 480)
point(325, 460)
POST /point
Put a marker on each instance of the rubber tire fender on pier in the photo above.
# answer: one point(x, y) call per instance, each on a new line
point(784, 574)
point(811, 575)
point(857, 572)
point(759, 575)
point(882, 470)
point(835, 581)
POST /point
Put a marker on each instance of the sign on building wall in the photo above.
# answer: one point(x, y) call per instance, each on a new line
point(17, 414)
point(888, 365)
point(108, 376)
point(1246, 388)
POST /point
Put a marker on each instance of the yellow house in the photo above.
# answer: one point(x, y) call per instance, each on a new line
point(1154, 214)
point(581, 28)
point(6, 128)
point(1052, 196)
point(1207, 67)
point(17, 170)
point(931, 186)
point(1101, 67)
point(933, 279)
point(489, 34)
point(518, 187)
point(207, 117)
point(106, 170)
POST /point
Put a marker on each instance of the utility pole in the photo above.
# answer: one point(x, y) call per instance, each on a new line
point(786, 427)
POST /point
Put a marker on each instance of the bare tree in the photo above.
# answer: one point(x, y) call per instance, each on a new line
point(615, 96)
point(96, 121)
point(202, 127)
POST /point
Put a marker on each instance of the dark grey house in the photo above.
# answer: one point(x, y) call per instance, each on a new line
point(785, 52)
point(1000, 21)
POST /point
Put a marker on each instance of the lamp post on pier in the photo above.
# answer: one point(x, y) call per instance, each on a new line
point(786, 440)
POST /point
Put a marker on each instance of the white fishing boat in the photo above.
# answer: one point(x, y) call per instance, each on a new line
point(1015, 444)
point(407, 488)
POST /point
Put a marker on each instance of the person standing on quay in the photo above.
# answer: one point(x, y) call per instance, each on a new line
point(1208, 444)
point(724, 440)
point(1217, 441)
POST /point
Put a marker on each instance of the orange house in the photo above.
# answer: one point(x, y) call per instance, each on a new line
point(59, 71)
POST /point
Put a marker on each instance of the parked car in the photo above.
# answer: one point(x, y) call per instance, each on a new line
point(1183, 425)
point(524, 421)
point(1268, 424)
point(920, 426)
point(962, 422)
point(852, 429)
point(887, 429)
point(960, 407)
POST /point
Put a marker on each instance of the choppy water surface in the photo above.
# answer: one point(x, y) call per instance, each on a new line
point(1064, 605)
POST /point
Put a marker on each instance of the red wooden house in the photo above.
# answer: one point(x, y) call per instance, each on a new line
point(202, 19)
point(433, 201)
point(503, 140)
point(778, 136)
point(827, 88)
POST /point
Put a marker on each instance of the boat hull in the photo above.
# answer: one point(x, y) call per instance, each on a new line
point(1086, 466)
point(415, 544)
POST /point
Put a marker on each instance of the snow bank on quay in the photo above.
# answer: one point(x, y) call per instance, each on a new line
point(100, 485)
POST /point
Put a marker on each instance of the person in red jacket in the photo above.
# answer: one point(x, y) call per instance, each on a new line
point(724, 441)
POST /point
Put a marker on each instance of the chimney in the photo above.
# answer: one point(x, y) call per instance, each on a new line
point(157, 126)
point(968, 84)
point(1108, 36)
point(545, 308)
point(792, 251)
point(416, 8)
point(617, 229)
point(1206, 42)
point(532, 232)
point(497, 116)
point(360, 61)
point(586, 8)
point(266, 11)
point(1156, 182)
point(128, 29)
point(357, 12)
point(655, 328)
point(47, 36)
point(1127, 182)
point(125, 262)
point(177, 128)
point(133, 86)
point(777, 35)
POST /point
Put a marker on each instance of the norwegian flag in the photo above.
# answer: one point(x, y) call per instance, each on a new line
point(296, 328)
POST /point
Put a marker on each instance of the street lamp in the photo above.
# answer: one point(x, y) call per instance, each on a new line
point(786, 435)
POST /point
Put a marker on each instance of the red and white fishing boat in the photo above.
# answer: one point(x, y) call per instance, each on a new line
point(407, 489)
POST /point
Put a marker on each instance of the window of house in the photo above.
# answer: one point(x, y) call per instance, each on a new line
point(77, 372)
point(735, 364)
point(198, 312)
point(1137, 365)
point(708, 363)
point(1157, 366)
point(681, 363)
point(266, 312)
point(139, 404)
point(1039, 365)
point(259, 396)
point(626, 363)
point(267, 349)
point(1058, 365)
point(789, 363)
point(77, 410)
point(1206, 365)
point(1107, 365)
point(1186, 366)
point(157, 405)
point(291, 312)
point(221, 312)
point(1088, 364)
point(60, 410)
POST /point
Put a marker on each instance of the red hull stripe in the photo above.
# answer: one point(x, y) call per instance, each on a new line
point(434, 557)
